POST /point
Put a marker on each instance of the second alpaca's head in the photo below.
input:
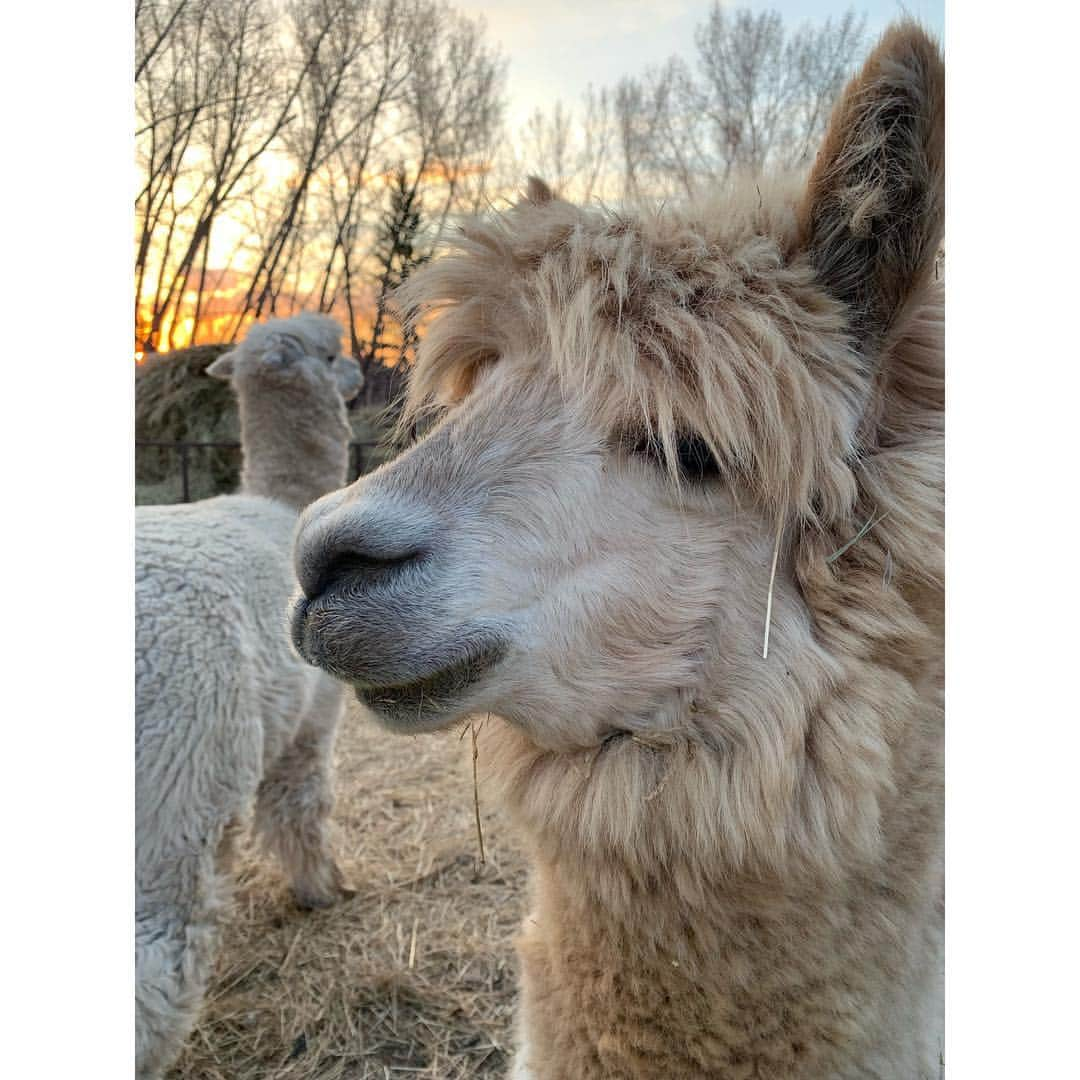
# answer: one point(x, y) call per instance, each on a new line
point(302, 353)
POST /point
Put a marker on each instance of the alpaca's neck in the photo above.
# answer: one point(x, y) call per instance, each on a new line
point(296, 447)
point(805, 984)
point(756, 892)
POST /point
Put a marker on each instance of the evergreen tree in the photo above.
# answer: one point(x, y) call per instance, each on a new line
point(398, 252)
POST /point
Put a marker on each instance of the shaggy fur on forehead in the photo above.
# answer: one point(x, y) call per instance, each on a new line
point(675, 321)
point(713, 320)
point(741, 321)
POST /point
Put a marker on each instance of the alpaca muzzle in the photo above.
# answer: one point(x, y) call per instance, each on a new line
point(377, 609)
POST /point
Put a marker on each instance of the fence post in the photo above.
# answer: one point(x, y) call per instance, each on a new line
point(184, 472)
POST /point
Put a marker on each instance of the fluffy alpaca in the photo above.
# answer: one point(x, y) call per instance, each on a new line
point(737, 857)
point(225, 714)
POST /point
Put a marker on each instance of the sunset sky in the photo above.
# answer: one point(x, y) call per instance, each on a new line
point(556, 48)
point(554, 51)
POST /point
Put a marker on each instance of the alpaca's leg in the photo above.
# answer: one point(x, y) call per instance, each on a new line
point(293, 807)
point(226, 853)
point(189, 800)
point(174, 954)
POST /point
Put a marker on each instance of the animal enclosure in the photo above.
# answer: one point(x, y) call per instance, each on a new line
point(185, 471)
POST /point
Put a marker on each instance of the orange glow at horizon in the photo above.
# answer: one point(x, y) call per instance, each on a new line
point(221, 322)
point(218, 330)
point(220, 303)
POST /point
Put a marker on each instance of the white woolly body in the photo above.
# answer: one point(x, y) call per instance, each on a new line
point(220, 701)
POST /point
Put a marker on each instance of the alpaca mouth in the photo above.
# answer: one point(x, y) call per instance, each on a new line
point(433, 700)
point(414, 674)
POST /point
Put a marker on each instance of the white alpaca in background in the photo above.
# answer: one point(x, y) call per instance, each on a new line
point(225, 713)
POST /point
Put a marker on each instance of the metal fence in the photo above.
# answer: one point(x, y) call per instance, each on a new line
point(363, 456)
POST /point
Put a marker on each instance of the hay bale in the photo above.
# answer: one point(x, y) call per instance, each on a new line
point(176, 401)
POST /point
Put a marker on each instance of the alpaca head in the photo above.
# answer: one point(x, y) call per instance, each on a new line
point(299, 355)
point(624, 409)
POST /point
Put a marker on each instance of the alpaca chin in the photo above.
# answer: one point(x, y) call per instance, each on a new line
point(434, 701)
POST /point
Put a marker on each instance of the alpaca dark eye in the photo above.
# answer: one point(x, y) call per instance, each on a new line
point(330, 358)
point(695, 459)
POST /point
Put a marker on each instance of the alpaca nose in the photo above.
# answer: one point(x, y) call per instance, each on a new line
point(361, 543)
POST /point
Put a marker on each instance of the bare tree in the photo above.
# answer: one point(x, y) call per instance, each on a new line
point(228, 55)
point(352, 182)
point(286, 130)
point(174, 87)
point(546, 143)
point(418, 119)
point(448, 116)
point(597, 142)
point(763, 92)
point(310, 152)
point(647, 121)
point(332, 39)
point(758, 96)
point(152, 29)
point(452, 106)
point(571, 148)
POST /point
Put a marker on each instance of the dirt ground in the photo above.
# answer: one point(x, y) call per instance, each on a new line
point(414, 976)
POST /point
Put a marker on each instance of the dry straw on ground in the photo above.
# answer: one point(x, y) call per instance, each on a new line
point(415, 975)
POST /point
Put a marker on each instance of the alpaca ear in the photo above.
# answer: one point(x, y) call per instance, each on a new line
point(537, 192)
point(348, 376)
point(874, 209)
point(222, 367)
